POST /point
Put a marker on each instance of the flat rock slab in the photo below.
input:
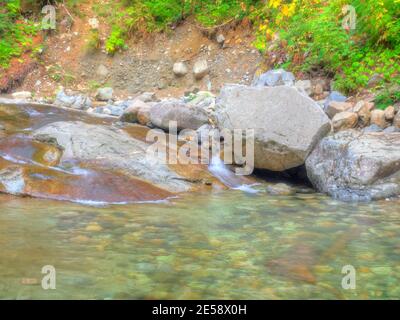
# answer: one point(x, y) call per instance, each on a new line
point(114, 148)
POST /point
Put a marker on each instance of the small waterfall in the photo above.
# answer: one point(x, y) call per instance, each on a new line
point(219, 170)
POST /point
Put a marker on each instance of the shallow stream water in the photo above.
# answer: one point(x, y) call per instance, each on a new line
point(225, 244)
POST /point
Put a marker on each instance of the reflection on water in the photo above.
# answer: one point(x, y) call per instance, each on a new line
point(221, 245)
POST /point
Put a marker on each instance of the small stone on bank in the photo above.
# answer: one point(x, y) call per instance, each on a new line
point(344, 120)
point(104, 94)
point(221, 39)
point(23, 95)
point(378, 118)
point(180, 69)
point(389, 113)
point(200, 69)
point(335, 107)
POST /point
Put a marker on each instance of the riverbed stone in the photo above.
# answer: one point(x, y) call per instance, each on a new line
point(186, 116)
point(344, 120)
point(389, 113)
point(72, 100)
point(391, 129)
point(116, 110)
point(372, 128)
point(104, 94)
point(319, 86)
point(143, 115)
point(130, 114)
point(280, 189)
point(336, 107)
point(274, 78)
point(287, 124)
point(396, 120)
point(12, 180)
point(147, 97)
point(356, 166)
point(335, 96)
point(378, 118)
point(304, 86)
point(363, 109)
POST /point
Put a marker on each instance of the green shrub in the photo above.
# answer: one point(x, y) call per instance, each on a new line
point(387, 97)
point(94, 41)
point(139, 17)
point(115, 41)
point(15, 34)
point(314, 35)
point(211, 13)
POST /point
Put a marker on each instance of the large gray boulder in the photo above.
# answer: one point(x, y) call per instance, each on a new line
point(187, 116)
point(357, 166)
point(287, 124)
point(112, 148)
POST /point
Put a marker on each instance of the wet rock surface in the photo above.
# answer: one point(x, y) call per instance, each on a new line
point(113, 148)
point(85, 184)
point(130, 114)
point(85, 159)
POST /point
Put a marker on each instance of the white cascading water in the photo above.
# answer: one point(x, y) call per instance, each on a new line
point(219, 170)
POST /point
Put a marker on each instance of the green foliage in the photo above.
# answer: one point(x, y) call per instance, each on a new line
point(314, 37)
point(310, 33)
point(94, 85)
point(387, 97)
point(164, 13)
point(140, 17)
point(211, 13)
point(94, 41)
point(126, 21)
point(60, 75)
point(116, 40)
point(15, 34)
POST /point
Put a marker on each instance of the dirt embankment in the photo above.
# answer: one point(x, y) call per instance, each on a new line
point(146, 65)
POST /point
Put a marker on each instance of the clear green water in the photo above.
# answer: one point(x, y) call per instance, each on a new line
point(226, 245)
